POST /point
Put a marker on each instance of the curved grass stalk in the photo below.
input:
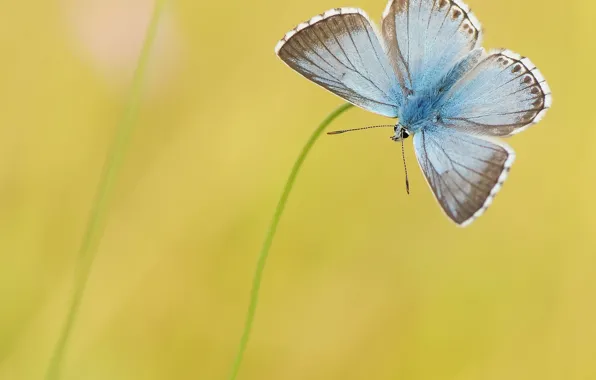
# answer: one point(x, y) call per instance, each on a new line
point(264, 253)
point(100, 208)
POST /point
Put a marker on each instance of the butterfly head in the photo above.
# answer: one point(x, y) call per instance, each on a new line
point(401, 133)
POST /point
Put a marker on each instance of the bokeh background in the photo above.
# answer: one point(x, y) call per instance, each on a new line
point(363, 281)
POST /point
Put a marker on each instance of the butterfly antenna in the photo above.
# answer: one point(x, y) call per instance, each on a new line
point(359, 129)
point(403, 156)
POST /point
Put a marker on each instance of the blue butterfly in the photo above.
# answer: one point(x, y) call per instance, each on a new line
point(427, 68)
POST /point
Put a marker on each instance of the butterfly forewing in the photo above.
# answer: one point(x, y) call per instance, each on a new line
point(463, 171)
point(500, 96)
point(425, 38)
point(340, 51)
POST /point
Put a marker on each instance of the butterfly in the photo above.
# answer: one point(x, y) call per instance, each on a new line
point(427, 68)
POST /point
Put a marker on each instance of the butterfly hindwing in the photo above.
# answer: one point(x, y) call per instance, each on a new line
point(464, 172)
point(500, 96)
point(426, 38)
point(340, 51)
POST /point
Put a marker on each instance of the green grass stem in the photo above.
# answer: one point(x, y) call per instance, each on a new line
point(96, 222)
point(264, 253)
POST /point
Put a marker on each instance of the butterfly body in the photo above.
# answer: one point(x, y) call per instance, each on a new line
point(418, 111)
point(422, 108)
point(427, 68)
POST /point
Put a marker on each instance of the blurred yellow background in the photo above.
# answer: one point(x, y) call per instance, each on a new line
point(363, 281)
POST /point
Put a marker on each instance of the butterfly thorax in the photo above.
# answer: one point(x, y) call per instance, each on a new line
point(418, 111)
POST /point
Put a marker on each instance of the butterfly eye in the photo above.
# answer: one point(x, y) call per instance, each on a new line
point(437, 118)
point(441, 89)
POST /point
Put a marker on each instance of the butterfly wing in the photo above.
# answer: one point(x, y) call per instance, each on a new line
point(464, 172)
point(501, 96)
point(340, 51)
point(426, 38)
